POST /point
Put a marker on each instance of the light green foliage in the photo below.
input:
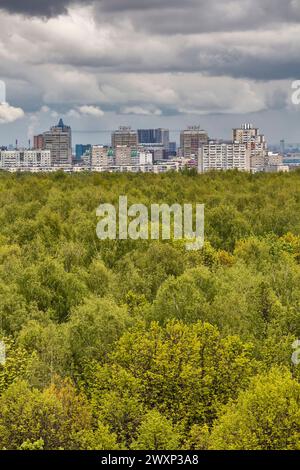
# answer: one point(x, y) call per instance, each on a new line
point(57, 416)
point(94, 326)
point(186, 372)
point(17, 364)
point(198, 438)
point(265, 417)
point(123, 344)
point(157, 433)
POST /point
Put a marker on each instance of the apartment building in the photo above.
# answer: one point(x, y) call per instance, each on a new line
point(223, 156)
point(25, 160)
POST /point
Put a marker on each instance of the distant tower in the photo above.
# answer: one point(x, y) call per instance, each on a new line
point(255, 142)
point(59, 141)
point(282, 147)
point(124, 136)
point(191, 140)
point(155, 140)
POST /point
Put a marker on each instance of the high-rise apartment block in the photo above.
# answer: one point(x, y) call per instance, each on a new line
point(223, 156)
point(124, 136)
point(256, 144)
point(59, 141)
point(191, 140)
point(101, 156)
point(248, 134)
point(125, 155)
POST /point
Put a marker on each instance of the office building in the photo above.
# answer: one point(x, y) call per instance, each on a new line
point(81, 149)
point(191, 140)
point(172, 149)
point(155, 138)
point(124, 136)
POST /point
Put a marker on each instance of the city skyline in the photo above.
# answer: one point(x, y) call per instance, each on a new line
point(149, 150)
point(169, 64)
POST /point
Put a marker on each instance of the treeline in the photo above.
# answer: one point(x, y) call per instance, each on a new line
point(144, 345)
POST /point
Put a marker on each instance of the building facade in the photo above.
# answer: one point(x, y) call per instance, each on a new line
point(256, 144)
point(222, 156)
point(59, 141)
point(191, 140)
point(124, 136)
point(172, 149)
point(25, 160)
point(155, 138)
point(102, 156)
point(81, 149)
point(38, 142)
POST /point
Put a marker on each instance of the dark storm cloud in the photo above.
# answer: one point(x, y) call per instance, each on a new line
point(141, 5)
point(196, 16)
point(56, 7)
point(151, 56)
point(45, 8)
point(173, 16)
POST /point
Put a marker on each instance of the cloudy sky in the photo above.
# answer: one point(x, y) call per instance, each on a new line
point(171, 63)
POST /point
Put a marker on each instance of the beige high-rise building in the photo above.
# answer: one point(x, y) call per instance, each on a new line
point(102, 156)
point(124, 136)
point(59, 141)
point(191, 140)
point(125, 155)
point(256, 144)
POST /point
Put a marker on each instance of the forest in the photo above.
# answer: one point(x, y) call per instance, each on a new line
point(123, 344)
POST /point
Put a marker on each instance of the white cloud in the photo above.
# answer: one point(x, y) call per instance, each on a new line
point(94, 111)
point(85, 110)
point(10, 113)
point(139, 110)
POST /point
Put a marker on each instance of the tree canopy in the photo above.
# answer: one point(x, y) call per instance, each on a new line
point(123, 344)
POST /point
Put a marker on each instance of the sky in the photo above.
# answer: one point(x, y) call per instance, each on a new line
point(156, 63)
